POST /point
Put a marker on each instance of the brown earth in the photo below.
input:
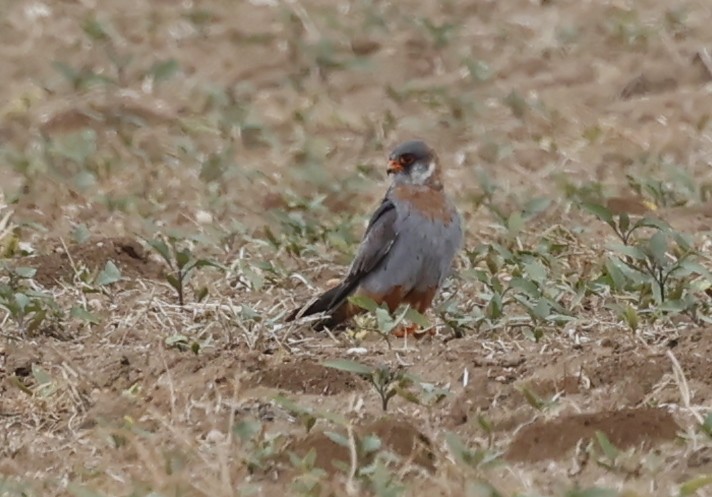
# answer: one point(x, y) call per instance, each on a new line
point(304, 376)
point(553, 439)
point(61, 265)
point(257, 132)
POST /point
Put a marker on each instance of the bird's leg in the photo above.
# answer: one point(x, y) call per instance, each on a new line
point(403, 330)
point(412, 330)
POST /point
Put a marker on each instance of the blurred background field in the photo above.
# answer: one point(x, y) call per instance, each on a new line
point(175, 176)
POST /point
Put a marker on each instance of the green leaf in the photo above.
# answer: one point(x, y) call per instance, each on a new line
point(630, 316)
point(370, 443)
point(94, 29)
point(173, 281)
point(627, 250)
point(416, 318)
point(707, 425)
point(481, 489)
point(110, 274)
point(254, 278)
point(592, 492)
point(652, 222)
point(532, 398)
point(182, 258)
point(527, 286)
point(364, 302)
point(80, 312)
point(41, 376)
point(290, 405)
point(695, 268)
point(84, 180)
point(82, 491)
point(494, 309)
point(617, 277)
point(201, 263)
point(515, 222)
point(692, 486)
point(535, 206)
point(683, 240)
point(349, 366)
point(385, 321)
point(338, 438)
point(178, 341)
point(406, 394)
point(485, 424)
point(600, 212)
point(542, 309)
point(536, 271)
point(77, 146)
point(71, 74)
point(201, 294)
point(658, 245)
point(80, 233)
point(164, 70)
point(609, 450)
point(162, 248)
point(22, 301)
point(247, 429)
point(623, 222)
point(25, 272)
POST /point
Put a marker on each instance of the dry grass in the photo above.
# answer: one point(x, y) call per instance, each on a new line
point(253, 134)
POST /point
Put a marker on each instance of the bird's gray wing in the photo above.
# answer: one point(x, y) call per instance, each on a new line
point(380, 235)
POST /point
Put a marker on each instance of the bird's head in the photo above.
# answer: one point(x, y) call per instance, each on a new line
point(414, 163)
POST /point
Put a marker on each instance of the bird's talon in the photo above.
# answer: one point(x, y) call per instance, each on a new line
point(412, 330)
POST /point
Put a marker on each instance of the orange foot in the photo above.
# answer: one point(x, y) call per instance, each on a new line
point(412, 330)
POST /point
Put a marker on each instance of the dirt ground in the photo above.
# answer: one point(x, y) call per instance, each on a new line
point(255, 132)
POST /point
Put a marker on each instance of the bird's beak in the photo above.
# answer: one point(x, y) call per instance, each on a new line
point(394, 167)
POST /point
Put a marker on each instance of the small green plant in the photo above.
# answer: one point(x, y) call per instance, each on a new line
point(473, 457)
point(310, 478)
point(260, 448)
point(91, 282)
point(308, 416)
point(385, 321)
point(662, 264)
point(440, 34)
point(389, 382)
point(386, 382)
point(182, 264)
point(28, 308)
point(305, 415)
point(610, 453)
point(529, 279)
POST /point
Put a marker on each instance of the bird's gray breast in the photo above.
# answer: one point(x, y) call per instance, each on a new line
point(422, 254)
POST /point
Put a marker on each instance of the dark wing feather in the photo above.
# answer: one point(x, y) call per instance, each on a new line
point(376, 243)
point(380, 236)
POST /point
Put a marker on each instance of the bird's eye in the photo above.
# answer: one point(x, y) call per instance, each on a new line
point(406, 159)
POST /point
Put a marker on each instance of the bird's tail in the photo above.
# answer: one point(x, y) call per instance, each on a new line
point(332, 302)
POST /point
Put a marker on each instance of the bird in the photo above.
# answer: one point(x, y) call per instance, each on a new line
point(408, 247)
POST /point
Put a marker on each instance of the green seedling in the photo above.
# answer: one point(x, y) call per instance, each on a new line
point(261, 448)
point(474, 458)
point(182, 264)
point(388, 382)
point(706, 425)
point(610, 452)
point(385, 321)
point(306, 416)
point(28, 308)
point(692, 486)
point(309, 481)
point(666, 260)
